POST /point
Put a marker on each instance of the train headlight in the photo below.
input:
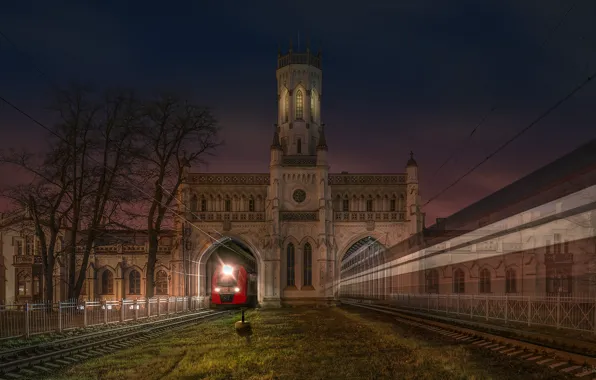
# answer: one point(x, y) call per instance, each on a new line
point(217, 290)
point(236, 289)
point(227, 270)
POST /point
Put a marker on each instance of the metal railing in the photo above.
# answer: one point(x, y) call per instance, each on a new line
point(559, 312)
point(39, 318)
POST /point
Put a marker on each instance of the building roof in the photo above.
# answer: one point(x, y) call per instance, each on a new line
point(546, 184)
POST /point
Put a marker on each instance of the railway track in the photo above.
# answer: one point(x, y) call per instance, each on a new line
point(42, 359)
point(571, 363)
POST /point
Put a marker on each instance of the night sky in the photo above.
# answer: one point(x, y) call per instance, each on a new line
point(397, 76)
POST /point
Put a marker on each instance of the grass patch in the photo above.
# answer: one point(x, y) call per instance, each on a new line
point(297, 343)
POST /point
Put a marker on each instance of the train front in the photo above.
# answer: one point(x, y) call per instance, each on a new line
point(229, 286)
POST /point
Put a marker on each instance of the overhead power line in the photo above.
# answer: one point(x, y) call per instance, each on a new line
point(42, 73)
point(524, 130)
point(149, 197)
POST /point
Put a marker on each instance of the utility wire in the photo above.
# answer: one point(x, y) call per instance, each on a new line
point(524, 130)
point(15, 46)
point(149, 197)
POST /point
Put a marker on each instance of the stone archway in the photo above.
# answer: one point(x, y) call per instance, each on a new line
point(202, 256)
point(357, 256)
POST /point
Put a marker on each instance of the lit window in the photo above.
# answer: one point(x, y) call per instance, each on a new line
point(510, 281)
point(134, 282)
point(484, 281)
point(459, 284)
point(299, 105)
point(432, 281)
point(346, 205)
point(161, 283)
point(107, 282)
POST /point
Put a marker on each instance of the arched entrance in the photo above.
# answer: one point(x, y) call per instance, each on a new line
point(224, 250)
point(362, 255)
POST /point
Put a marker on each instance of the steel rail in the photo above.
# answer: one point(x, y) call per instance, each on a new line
point(556, 358)
point(77, 352)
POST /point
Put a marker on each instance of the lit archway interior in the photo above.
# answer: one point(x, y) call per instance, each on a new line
point(365, 254)
point(232, 253)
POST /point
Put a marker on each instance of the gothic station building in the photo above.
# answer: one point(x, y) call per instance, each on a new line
point(297, 220)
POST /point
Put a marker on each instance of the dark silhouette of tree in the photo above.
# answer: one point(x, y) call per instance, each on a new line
point(80, 181)
point(173, 135)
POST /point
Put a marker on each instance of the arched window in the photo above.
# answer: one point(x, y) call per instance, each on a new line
point(459, 281)
point(299, 105)
point(36, 285)
point(299, 146)
point(287, 107)
point(291, 265)
point(203, 204)
point(24, 284)
point(194, 203)
point(307, 281)
point(402, 203)
point(161, 283)
point(134, 282)
point(432, 281)
point(484, 284)
point(251, 205)
point(107, 282)
point(510, 281)
point(313, 105)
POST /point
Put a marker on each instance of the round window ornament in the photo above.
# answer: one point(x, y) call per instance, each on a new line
point(299, 196)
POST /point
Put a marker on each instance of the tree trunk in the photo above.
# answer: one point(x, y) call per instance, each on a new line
point(48, 274)
point(151, 261)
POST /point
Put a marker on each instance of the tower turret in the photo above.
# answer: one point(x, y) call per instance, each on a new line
point(413, 214)
point(322, 147)
point(299, 91)
point(276, 149)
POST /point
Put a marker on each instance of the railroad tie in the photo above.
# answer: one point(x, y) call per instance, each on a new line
point(544, 361)
point(534, 358)
point(571, 369)
point(585, 373)
point(515, 353)
point(14, 376)
point(29, 372)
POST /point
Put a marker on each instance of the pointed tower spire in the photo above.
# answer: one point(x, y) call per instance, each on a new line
point(322, 141)
point(275, 144)
point(291, 45)
point(411, 161)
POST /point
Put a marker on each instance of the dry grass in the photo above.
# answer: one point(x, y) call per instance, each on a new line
point(301, 343)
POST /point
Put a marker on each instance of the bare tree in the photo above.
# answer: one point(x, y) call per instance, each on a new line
point(81, 182)
point(174, 134)
point(98, 138)
point(46, 200)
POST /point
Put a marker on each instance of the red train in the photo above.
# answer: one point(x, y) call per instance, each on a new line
point(233, 285)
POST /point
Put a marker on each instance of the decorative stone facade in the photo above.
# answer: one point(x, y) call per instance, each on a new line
point(298, 220)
